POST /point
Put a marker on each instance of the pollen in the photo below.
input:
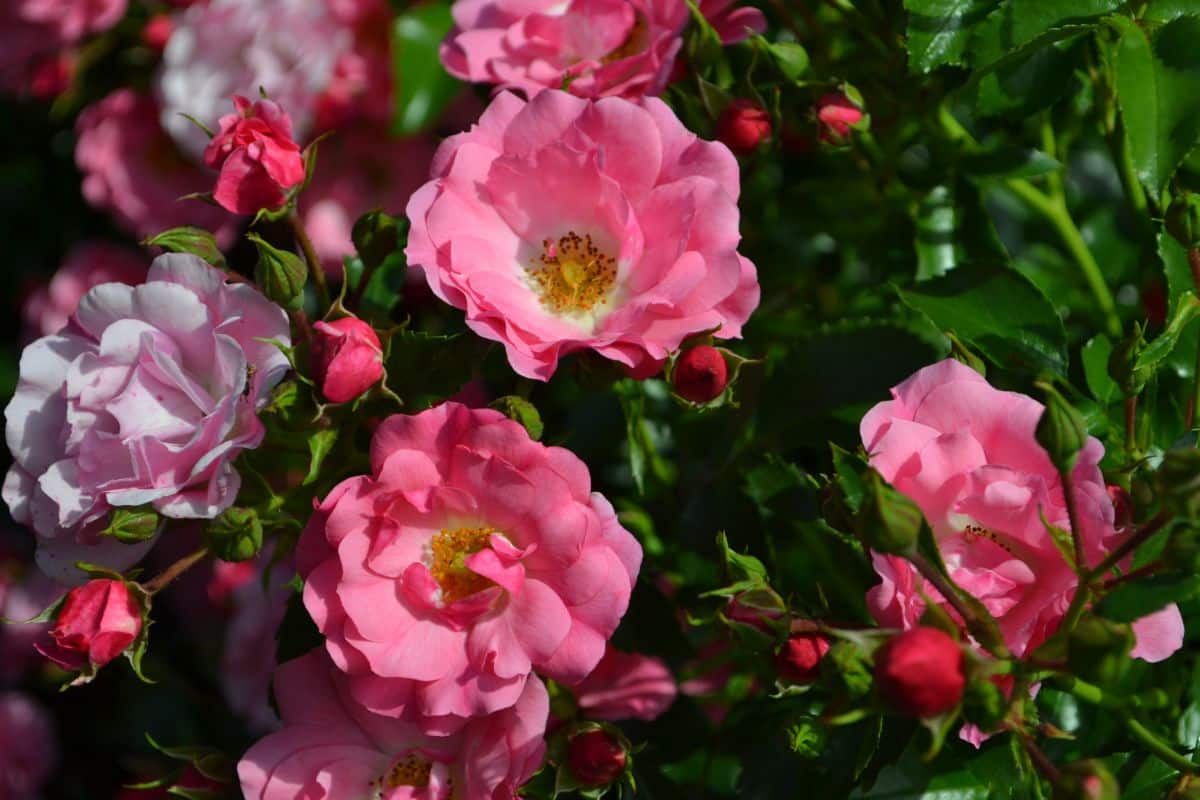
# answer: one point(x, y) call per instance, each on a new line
point(973, 532)
point(411, 770)
point(451, 546)
point(573, 274)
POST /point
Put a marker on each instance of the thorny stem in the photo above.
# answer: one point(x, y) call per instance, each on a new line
point(164, 578)
point(310, 255)
point(1040, 760)
point(1140, 572)
point(1135, 541)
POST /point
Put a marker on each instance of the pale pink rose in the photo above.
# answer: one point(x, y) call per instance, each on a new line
point(469, 557)
point(258, 159)
point(24, 593)
point(48, 308)
point(358, 170)
point(146, 397)
point(248, 658)
point(28, 747)
point(626, 686)
point(131, 168)
point(331, 748)
point(967, 455)
point(74, 19)
point(288, 48)
point(595, 48)
point(565, 224)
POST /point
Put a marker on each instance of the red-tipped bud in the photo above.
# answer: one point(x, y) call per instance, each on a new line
point(347, 358)
point(157, 31)
point(596, 757)
point(743, 126)
point(51, 76)
point(921, 672)
point(701, 374)
point(837, 113)
point(799, 660)
point(1122, 506)
point(96, 623)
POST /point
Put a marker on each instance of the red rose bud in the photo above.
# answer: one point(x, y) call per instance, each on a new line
point(837, 113)
point(1122, 506)
point(743, 126)
point(95, 624)
point(347, 358)
point(921, 672)
point(157, 31)
point(51, 76)
point(701, 374)
point(799, 660)
point(596, 757)
point(256, 156)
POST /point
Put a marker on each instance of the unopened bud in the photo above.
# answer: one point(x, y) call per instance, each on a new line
point(131, 525)
point(700, 374)
point(375, 237)
point(1061, 430)
point(743, 126)
point(888, 522)
point(236, 535)
point(281, 274)
point(1086, 780)
point(596, 757)
point(921, 672)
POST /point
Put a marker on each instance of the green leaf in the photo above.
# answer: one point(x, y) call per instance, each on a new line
point(1182, 315)
point(1028, 82)
point(426, 364)
point(1023, 26)
point(740, 566)
point(997, 311)
point(1095, 355)
point(188, 239)
point(1162, 11)
point(936, 253)
point(939, 31)
point(1158, 80)
point(1132, 601)
point(320, 443)
point(522, 411)
point(423, 87)
point(1009, 162)
point(1176, 269)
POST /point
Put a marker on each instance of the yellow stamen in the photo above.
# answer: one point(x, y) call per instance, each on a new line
point(573, 274)
point(451, 546)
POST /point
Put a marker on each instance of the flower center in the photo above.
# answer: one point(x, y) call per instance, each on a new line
point(572, 274)
point(451, 546)
point(410, 770)
point(634, 43)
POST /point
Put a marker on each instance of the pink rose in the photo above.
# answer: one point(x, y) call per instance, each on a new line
point(74, 19)
point(626, 686)
point(131, 168)
point(799, 659)
point(146, 397)
point(220, 48)
point(347, 358)
point(28, 748)
point(470, 556)
point(331, 748)
point(595, 48)
point(48, 308)
point(97, 622)
point(256, 155)
point(358, 170)
point(623, 227)
point(732, 23)
point(966, 454)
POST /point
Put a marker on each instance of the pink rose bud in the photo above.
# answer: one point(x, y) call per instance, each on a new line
point(700, 374)
point(256, 156)
point(743, 125)
point(157, 31)
point(1122, 506)
point(837, 113)
point(51, 76)
point(799, 660)
point(347, 358)
point(95, 624)
point(595, 757)
point(920, 671)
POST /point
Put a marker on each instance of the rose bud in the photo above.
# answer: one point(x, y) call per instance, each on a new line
point(700, 374)
point(1086, 780)
point(799, 660)
point(51, 76)
point(157, 31)
point(96, 623)
point(837, 113)
point(256, 156)
point(1122, 506)
point(596, 757)
point(743, 126)
point(347, 358)
point(921, 672)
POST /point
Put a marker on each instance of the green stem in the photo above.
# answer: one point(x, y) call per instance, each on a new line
point(164, 578)
point(1158, 747)
point(1055, 212)
point(1139, 537)
point(953, 595)
point(1131, 426)
point(1134, 193)
point(310, 255)
point(1068, 487)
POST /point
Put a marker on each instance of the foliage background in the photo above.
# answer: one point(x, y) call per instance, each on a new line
point(1018, 152)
